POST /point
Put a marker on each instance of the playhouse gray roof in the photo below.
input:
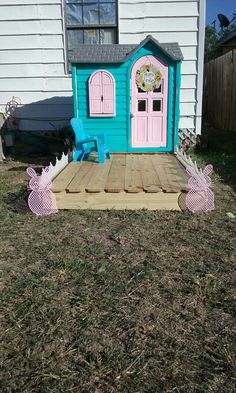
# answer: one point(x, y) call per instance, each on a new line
point(119, 53)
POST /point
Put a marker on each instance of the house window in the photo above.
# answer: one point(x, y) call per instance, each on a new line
point(91, 22)
point(101, 94)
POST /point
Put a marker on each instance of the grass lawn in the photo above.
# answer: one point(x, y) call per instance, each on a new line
point(118, 302)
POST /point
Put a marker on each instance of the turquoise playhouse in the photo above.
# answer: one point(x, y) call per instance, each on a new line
point(129, 93)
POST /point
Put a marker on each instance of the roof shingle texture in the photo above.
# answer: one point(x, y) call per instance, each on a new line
point(117, 53)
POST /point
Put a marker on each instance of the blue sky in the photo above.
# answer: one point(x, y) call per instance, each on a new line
point(214, 7)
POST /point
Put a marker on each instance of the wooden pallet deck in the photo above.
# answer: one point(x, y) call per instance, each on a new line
point(127, 181)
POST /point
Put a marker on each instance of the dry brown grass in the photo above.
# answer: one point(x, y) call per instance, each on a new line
point(117, 302)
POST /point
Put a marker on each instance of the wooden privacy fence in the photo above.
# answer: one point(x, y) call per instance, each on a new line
point(219, 93)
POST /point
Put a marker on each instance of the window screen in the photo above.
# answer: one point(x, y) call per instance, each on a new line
point(91, 22)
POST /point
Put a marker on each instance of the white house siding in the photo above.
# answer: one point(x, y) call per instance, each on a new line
point(32, 62)
point(172, 20)
point(33, 55)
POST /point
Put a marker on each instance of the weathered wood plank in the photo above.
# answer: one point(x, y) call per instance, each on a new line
point(133, 180)
point(82, 177)
point(177, 176)
point(132, 173)
point(64, 178)
point(116, 177)
point(167, 183)
point(181, 176)
point(118, 201)
point(99, 177)
point(233, 119)
point(229, 89)
point(151, 182)
point(173, 177)
point(220, 92)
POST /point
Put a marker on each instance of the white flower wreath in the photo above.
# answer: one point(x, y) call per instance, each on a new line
point(148, 77)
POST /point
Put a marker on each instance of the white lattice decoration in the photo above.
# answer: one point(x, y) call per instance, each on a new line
point(187, 137)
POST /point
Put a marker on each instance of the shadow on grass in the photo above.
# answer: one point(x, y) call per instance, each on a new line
point(17, 201)
point(19, 169)
point(38, 160)
point(224, 165)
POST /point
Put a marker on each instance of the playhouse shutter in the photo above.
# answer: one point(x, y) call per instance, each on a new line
point(108, 93)
point(102, 94)
point(95, 94)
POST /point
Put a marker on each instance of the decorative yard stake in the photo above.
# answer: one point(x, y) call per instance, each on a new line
point(41, 200)
point(200, 197)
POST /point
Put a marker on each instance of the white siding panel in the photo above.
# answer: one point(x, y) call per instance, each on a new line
point(31, 12)
point(29, 97)
point(189, 67)
point(148, 9)
point(189, 52)
point(32, 62)
point(182, 38)
point(55, 84)
point(187, 95)
point(161, 24)
point(36, 84)
point(32, 56)
point(31, 27)
point(26, 2)
point(31, 41)
point(187, 122)
point(187, 108)
point(31, 70)
point(123, 2)
point(32, 53)
point(188, 81)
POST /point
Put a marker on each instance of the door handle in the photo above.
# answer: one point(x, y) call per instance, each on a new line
point(131, 115)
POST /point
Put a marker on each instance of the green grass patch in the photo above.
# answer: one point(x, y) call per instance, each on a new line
point(118, 302)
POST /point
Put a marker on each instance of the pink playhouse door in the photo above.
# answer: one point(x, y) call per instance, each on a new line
point(149, 97)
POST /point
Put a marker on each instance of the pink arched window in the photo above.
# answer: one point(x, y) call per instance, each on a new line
point(101, 94)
